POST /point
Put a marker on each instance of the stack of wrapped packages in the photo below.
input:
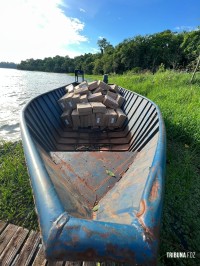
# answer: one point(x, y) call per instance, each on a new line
point(94, 104)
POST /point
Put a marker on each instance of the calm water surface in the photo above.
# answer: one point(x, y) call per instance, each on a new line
point(17, 87)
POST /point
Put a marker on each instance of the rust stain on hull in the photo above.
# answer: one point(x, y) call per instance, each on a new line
point(148, 233)
point(142, 209)
point(154, 191)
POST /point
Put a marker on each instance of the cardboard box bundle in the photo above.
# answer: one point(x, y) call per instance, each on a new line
point(95, 97)
point(94, 104)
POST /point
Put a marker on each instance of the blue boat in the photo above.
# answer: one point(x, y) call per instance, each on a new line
point(98, 194)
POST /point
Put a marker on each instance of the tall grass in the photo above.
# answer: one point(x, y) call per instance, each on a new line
point(178, 100)
point(16, 202)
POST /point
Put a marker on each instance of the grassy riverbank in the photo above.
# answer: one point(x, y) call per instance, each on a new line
point(180, 107)
point(179, 102)
point(16, 202)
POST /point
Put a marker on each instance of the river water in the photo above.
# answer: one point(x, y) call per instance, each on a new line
point(17, 87)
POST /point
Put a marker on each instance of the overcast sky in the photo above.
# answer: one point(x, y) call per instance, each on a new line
point(42, 28)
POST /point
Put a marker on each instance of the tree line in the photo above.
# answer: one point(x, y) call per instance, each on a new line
point(8, 65)
point(167, 49)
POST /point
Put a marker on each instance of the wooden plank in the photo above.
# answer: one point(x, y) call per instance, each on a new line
point(89, 263)
point(109, 264)
point(2, 225)
point(40, 258)
point(6, 236)
point(12, 253)
point(13, 246)
point(73, 263)
point(55, 263)
point(28, 250)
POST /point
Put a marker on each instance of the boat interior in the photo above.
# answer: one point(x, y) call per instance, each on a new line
point(95, 171)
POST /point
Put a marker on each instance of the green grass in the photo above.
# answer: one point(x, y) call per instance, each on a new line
point(16, 204)
point(179, 102)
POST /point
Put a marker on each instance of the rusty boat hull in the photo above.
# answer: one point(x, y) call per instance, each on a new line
point(98, 194)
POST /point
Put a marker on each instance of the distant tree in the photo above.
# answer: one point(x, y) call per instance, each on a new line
point(191, 46)
point(109, 49)
point(168, 48)
point(78, 62)
point(98, 67)
point(103, 43)
point(8, 65)
point(68, 65)
point(173, 50)
point(49, 64)
point(88, 63)
point(118, 66)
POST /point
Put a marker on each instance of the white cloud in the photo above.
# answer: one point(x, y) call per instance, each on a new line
point(82, 10)
point(184, 28)
point(36, 29)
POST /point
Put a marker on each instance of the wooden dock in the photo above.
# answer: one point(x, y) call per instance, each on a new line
point(21, 247)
